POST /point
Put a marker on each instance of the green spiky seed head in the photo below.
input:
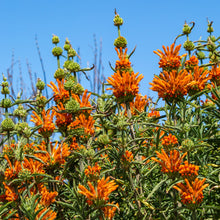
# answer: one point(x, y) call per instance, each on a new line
point(7, 124)
point(186, 29)
point(41, 101)
point(66, 47)
point(69, 84)
point(78, 89)
point(57, 51)
point(120, 42)
point(118, 21)
point(71, 52)
point(4, 84)
point(211, 46)
point(40, 84)
point(5, 90)
point(72, 66)
point(6, 103)
point(21, 126)
point(72, 106)
point(103, 139)
point(201, 55)
point(59, 74)
point(55, 39)
point(188, 45)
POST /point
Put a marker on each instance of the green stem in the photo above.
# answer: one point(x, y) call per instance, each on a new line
point(129, 116)
point(58, 61)
point(119, 32)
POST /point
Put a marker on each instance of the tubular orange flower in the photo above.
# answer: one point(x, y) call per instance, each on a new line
point(169, 141)
point(9, 193)
point(102, 192)
point(47, 197)
point(47, 122)
point(13, 171)
point(199, 79)
point(154, 113)
point(128, 156)
point(33, 166)
point(87, 124)
point(50, 215)
point(62, 119)
point(170, 59)
point(125, 85)
point(188, 170)
point(172, 85)
point(191, 63)
point(123, 64)
point(60, 94)
point(93, 172)
point(139, 104)
point(109, 211)
point(215, 74)
point(191, 193)
point(169, 163)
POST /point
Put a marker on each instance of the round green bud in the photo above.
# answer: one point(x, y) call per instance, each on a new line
point(210, 29)
point(7, 124)
point(211, 46)
point(118, 20)
point(103, 139)
point(55, 39)
point(186, 29)
point(120, 42)
point(5, 90)
point(200, 55)
point(66, 47)
point(57, 51)
point(4, 84)
point(21, 126)
point(40, 84)
point(71, 52)
point(187, 143)
point(72, 66)
point(59, 74)
point(188, 45)
point(6, 103)
point(212, 38)
point(72, 106)
point(41, 101)
point(78, 89)
point(69, 84)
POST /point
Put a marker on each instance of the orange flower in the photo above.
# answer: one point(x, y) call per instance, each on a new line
point(47, 122)
point(128, 156)
point(171, 85)
point(62, 119)
point(47, 197)
point(81, 122)
point(169, 141)
point(190, 171)
point(154, 114)
point(125, 85)
point(13, 171)
point(101, 192)
point(93, 172)
point(50, 215)
point(170, 59)
point(9, 193)
point(215, 74)
point(170, 163)
point(191, 193)
point(191, 63)
point(57, 155)
point(60, 94)
point(198, 80)
point(109, 211)
point(85, 100)
point(123, 64)
point(139, 104)
point(33, 166)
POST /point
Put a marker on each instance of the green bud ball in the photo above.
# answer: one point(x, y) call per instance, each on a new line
point(103, 139)
point(40, 84)
point(59, 74)
point(66, 47)
point(78, 89)
point(210, 29)
point(55, 39)
point(188, 45)
point(117, 20)
point(72, 66)
point(186, 29)
point(57, 51)
point(5, 90)
point(7, 124)
point(72, 106)
point(6, 103)
point(21, 126)
point(71, 52)
point(4, 84)
point(120, 42)
point(201, 55)
point(69, 84)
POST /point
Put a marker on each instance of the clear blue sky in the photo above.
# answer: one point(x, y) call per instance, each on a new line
point(147, 24)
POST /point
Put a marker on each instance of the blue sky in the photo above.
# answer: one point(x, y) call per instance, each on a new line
point(147, 25)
